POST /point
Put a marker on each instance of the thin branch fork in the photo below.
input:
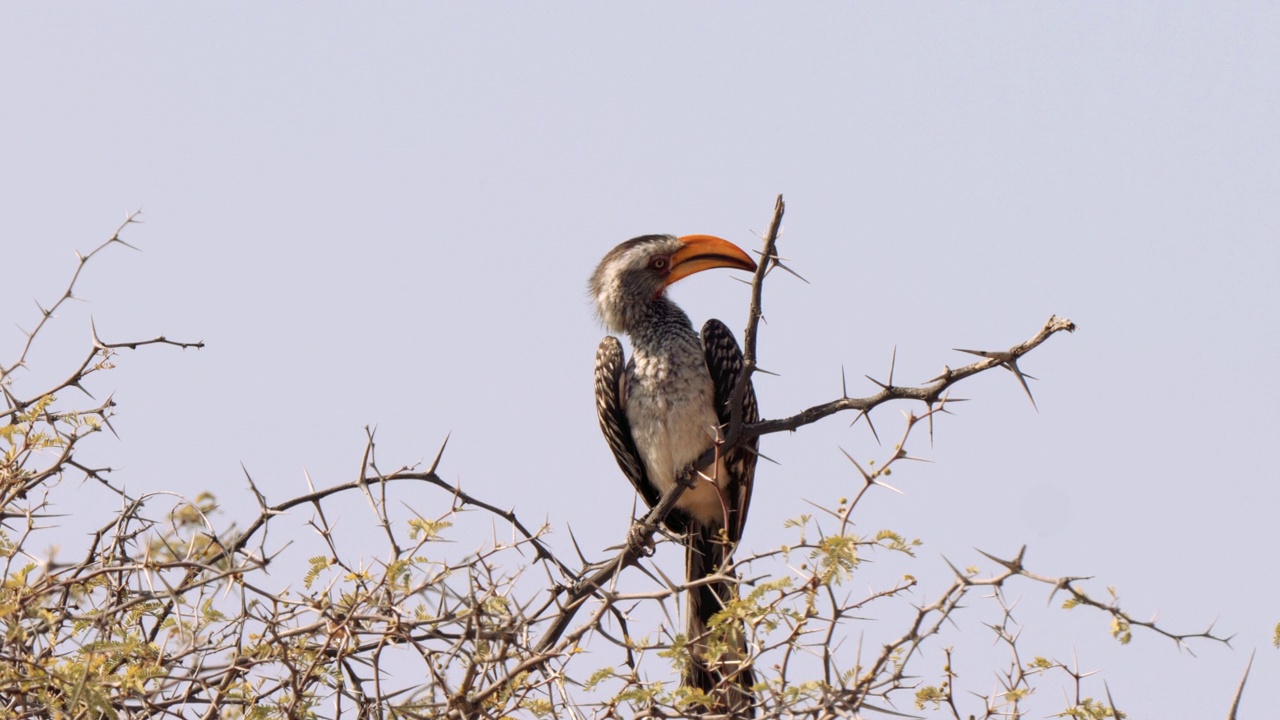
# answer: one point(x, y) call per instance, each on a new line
point(930, 394)
point(76, 379)
point(68, 292)
point(639, 535)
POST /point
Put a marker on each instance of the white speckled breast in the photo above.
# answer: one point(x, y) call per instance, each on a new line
point(670, 406)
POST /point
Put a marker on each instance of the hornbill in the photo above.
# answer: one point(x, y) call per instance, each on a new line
point(667, 407)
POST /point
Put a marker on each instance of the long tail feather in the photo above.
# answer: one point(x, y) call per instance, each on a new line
point(728, 678)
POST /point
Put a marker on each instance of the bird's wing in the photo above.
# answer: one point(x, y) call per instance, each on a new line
point(611, 407)
point(724, 361)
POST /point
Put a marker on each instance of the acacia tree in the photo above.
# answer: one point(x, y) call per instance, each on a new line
point(163, 613)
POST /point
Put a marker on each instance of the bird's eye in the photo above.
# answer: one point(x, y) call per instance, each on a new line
point(659, 263)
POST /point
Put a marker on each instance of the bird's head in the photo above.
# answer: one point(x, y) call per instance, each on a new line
point(637, 272)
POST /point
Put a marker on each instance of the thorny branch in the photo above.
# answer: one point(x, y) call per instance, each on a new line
point(67, 293)
point(97, 357)
point(173, 617)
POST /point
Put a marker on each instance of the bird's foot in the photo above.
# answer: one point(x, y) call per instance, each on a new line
point(640, 542)
point(688, 475)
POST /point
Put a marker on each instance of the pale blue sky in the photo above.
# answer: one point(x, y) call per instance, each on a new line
point(386, 214)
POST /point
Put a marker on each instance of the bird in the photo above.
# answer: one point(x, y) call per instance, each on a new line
point(662, 410)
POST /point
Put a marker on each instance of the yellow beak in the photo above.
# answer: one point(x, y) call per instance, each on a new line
point(704, 252)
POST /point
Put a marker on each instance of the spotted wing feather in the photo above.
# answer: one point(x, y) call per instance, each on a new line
point(611, 380)
point(724, 362)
